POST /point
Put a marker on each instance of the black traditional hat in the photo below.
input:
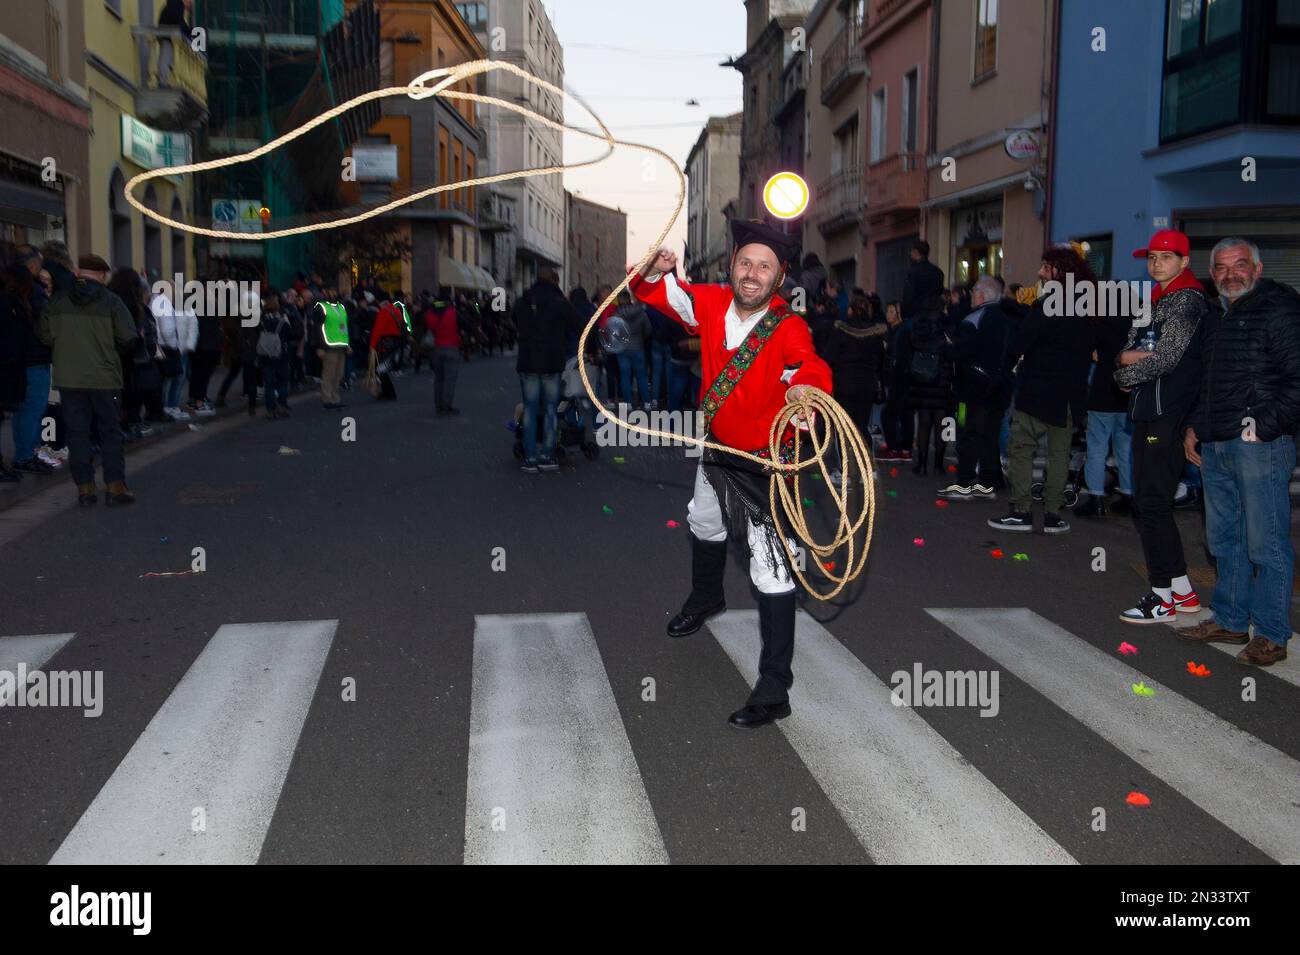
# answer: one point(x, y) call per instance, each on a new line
point(748, 231)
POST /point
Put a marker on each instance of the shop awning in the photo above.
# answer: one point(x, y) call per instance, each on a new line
point(455, 274)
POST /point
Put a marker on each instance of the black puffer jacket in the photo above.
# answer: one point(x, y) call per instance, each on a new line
point(925, 336)
point(544, 317)
point(1251, 366)
point(856, 353)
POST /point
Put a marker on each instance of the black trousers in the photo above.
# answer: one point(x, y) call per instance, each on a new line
point(202, 365)
point(977, 447)
point(897, 420)
point(82, 408)
point(1158, 461)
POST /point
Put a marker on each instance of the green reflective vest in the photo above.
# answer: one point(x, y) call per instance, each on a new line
point(335, 329)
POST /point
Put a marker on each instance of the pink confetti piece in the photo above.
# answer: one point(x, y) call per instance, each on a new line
point(673, 524)
point(940, 503)
point(1127, 649)
point(918, 541)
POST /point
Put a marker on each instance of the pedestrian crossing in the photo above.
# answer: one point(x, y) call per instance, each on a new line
point(552, 775)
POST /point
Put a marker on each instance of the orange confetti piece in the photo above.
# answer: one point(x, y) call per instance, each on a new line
point(829, 565)
point(893, 472)
point(1197, 669)
point(1136, 798)
point(997, 554)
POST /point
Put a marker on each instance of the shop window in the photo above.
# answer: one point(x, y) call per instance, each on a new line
point(1099, 252)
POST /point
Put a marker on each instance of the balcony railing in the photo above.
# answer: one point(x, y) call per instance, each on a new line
point(174, 86)
point(895, 184)
point(842, 62)
point(839, 201)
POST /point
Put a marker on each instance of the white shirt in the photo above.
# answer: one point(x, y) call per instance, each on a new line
point(738, 329)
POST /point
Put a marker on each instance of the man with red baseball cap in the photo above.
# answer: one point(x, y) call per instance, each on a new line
point(1160, 368)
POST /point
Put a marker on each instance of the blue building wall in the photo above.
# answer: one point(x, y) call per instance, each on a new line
point(1110, 173)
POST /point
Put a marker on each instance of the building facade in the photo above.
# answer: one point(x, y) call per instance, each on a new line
point(896, 44)
point(426, 142)
point(835, 108)
point(45, 188)
point(986, 206)
point(520, 32)
point(596, 251)
point(144, 116)
point(1208, 99)
point(713, 177)
point(770, 44)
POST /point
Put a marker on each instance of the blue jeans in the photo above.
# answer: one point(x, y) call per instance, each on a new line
point(1106, 430)
point(630, 363)
point(541, 394)
point(679, 381)
point(172, 386)
point(660, 355)
point(27, 419)
point(1248, 530)
point(275, 381)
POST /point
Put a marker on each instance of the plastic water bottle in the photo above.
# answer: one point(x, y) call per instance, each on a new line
point(1148, 342)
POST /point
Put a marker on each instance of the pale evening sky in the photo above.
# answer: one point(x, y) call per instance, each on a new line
point(636, 70)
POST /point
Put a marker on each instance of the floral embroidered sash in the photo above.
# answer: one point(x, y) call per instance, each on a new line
point(740, 362)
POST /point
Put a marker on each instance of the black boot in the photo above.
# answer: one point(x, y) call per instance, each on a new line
point(1122, 504)
point(1094, 506)
point(771, 697)
point(708, 565)
point(919, 466)
point(940, 449)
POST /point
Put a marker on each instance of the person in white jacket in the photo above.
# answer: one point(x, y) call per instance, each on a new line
point(178, 333)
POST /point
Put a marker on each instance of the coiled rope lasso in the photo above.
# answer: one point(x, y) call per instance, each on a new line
point(837, 430)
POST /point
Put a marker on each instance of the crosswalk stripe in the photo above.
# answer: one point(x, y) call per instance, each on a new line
point(906, 793)
point(34, 650)
point(1243, 782)
point(549, 759)
point(221, 743)
point(1286, 670)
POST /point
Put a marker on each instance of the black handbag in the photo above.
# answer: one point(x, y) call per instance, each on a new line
point(926, 367)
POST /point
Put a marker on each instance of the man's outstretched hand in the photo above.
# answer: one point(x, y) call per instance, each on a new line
point(665, 260)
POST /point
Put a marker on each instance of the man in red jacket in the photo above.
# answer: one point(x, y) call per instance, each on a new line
point(755, 356)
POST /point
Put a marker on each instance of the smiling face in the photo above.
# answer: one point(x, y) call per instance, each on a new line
point(755, 273)
point(1164, 266)
point(1235, 272)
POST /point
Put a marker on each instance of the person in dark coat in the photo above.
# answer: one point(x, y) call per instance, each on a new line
point(545, 318)
point(896, 420)
point(1109, 426)
point(924, 281)
point(982, 387)
point(856, 353)
point(1051, 393)
point(929, 383)
point(17, 332)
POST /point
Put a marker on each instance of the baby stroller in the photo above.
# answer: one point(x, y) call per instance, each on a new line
point(575, 416)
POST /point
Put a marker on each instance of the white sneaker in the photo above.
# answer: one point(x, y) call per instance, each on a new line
point(61, 454)
point(955, 492)
point(205, 410)
point(176, 414)
point(45, 455)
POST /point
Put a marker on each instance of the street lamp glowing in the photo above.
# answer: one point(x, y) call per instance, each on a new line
point(786, 195)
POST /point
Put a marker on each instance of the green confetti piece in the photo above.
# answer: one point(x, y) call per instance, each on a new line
point(816, 476)
point(892, 493)
point(606, 509)
point(620, 460)
point(809, 502)
point(1141, 689)
point(1020, 557)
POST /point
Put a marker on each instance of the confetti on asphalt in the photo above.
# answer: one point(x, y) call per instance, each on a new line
point(893, 472)
point(952, 469)
point(606, 509)
point(620, 460)
point(1197, 669)
point(287, 450)
point(809, 502)
point(892, 493)
point(829, 565)
point(673, 524)
point(816, 476)
point(1127, 649)
point(918, 541)
point(997, 553)
point(1136, 798)
point(1141, 689)
point(1020, 557)
point(163, 540)
point(941, 503)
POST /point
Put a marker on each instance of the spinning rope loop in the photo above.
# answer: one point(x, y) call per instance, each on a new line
point(839, 431)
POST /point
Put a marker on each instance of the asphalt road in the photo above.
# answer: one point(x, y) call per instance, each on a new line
point(355, 679)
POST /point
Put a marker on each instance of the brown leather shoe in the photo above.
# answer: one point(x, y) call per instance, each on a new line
point(1262, 652)
point(86, 494)
point(1207, 631)
point(117, 493)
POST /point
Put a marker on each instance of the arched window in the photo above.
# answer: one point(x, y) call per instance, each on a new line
point(178, 239)
point(119, 217)
point(152, 238)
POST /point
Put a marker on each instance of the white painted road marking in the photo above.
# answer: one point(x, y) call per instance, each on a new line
point(548, 755)
point(906, 793)
point(34, 650)
point(1240, 780)
point(221, 741)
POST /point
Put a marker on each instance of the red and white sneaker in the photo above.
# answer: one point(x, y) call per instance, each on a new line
point(1187, 603)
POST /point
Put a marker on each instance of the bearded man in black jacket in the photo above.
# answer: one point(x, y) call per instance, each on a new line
point(1245, 420)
